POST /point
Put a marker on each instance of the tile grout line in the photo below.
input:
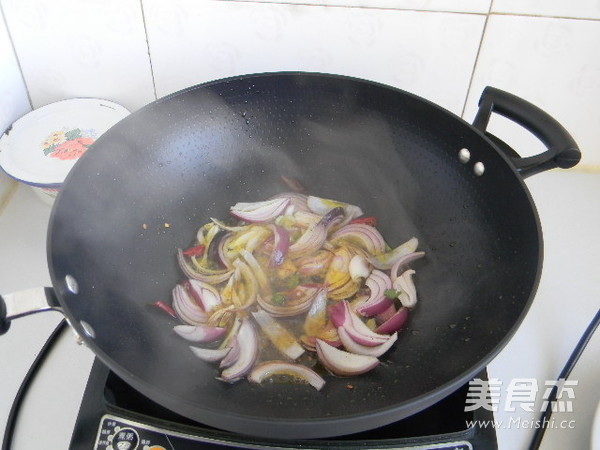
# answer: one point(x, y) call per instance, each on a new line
point(376, 8)
point(148, 47)
point(12, 45)
point(544, 16)
point(477, 55)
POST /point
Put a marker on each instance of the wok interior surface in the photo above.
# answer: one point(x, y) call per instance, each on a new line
point(188, 157)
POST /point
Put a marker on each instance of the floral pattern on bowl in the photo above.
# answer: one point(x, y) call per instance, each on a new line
point(69, 144)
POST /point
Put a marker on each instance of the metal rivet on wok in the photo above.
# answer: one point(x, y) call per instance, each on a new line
point(464, 155)
point(87, 329)
point(72, 285)
point(478, 168)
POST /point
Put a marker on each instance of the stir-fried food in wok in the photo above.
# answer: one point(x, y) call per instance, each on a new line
point(298, 287)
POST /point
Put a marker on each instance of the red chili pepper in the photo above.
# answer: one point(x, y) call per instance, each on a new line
point(368, 220)
point(166, 308)
point(198, 250)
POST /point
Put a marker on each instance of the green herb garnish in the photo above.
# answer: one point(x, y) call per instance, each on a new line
point(278, 298)
point(391, 293)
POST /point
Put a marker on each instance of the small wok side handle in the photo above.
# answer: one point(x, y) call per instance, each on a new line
point(23, 303)
point(562, 151)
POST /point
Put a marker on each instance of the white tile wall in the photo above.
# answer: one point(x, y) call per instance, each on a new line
point(13, 94)
point(92, 48)
point(431, 54)
point(588, 9)
point(554, 63)
point(444, 50)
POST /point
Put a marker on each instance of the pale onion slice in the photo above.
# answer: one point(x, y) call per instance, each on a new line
point(281, 338)
point(314, 264)
point(387, 260)
point(209, 354)
point(304, 296)
point(362, 235)
point(342, 316)
point(260, 211)
point(232, 355)
point(205, 295)
point(405, 284)
point(344, 363)
point(258, 272)
point(250, 285)
point(322, 206)
point(199, 273)
point(273, 368)
point(402, 261)
point(297, 200)
point(200, 333)
point(281, 244)
point(248, 342)
point(316, 318)
point(354, 347)
point(186, 307)
point(316, 235)
point(359, 267)
point(378, 282)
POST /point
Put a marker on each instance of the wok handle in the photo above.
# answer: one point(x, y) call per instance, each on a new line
point(562, 150)
point(23, 303)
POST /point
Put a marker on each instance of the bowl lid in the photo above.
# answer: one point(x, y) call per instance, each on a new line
point(41, 147)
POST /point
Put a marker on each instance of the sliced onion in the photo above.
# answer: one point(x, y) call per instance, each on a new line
point(314, 264)
point(386, 260)
point(342, 316)
point(359, 267)
point(303, 298)
point(403, 260)
point(385, 315)
point(260, 211)
point(221, 250)
point(233, 354)
point(394, 323)
point(281, 245)
point(305, 219)
point(251, 285)
point(297, 200)
point(257, 271)
point(209, 354)
point(344, 363)
point(338, 273)
point(200, 333)
point(353, 347)
point(316, 235)
point(248, 342)
point(272, 368)
point(283, 340)
point(378, 282)
point(363, 235)
point(323, 206)
point(310, 241)
point(316, 318)
point(186, 307)
point(405, 284)
point(205, 295)
point(201, 274)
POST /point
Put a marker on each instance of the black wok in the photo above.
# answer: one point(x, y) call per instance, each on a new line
point(189, 156)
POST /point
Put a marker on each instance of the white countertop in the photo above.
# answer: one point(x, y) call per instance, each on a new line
point(568, 203)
